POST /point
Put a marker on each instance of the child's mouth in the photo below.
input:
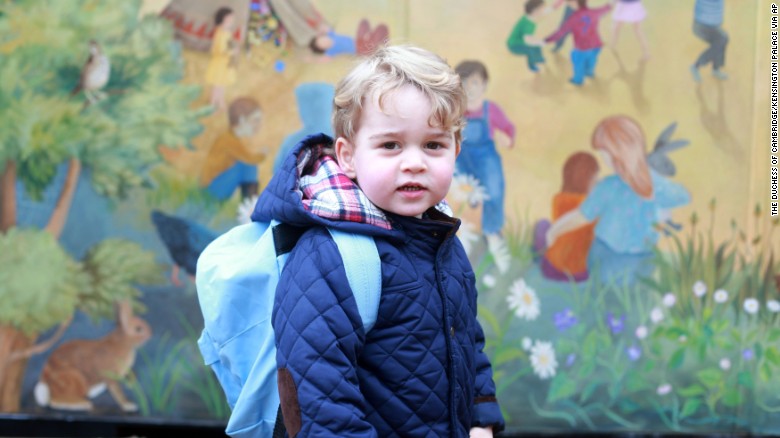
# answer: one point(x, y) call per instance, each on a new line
point(411, 188)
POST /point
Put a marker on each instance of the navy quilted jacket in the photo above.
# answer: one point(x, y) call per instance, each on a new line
point(420, 372)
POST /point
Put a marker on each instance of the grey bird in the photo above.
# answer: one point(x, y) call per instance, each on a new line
point(94, 74)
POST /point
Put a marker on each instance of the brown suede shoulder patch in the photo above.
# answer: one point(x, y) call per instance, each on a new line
point(484, 399)
point(288, 396)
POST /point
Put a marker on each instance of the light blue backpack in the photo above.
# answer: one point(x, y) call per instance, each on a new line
point(236, 282)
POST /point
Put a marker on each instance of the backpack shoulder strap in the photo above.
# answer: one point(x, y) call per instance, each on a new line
point(364, 272)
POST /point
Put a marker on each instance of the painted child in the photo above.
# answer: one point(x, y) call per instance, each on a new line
point(221, 70)
point(583, 24)
point(421, 370)
point(567, 258)
point(230, 163)
point(630, 12)
point(479, 156)
point(626, 204)
point(567, 11)
point(522, 40)
point(708, 26)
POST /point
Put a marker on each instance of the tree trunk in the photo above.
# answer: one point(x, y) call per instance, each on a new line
point(8, 196)
point(61, 210)
point(12, 373)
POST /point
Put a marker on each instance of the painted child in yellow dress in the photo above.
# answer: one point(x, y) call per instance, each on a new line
point(221, 70)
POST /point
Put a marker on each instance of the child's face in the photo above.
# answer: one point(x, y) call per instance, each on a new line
point(538, 12)
point(228, 21)
point(248, 125)
point(474, 86)
point(401, 163)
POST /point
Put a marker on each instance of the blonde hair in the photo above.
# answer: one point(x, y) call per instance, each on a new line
point(390, 68)
point(622, 138)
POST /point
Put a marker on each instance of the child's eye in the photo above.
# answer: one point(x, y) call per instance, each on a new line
point(390, 145)
point(433, 145)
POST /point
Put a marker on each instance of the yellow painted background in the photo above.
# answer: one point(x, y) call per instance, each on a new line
point(553, 118)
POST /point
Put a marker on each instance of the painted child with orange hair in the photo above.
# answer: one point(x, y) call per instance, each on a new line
point(625, 204)
point(567, 258)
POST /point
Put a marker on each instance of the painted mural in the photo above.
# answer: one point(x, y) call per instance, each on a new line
point(619, 222)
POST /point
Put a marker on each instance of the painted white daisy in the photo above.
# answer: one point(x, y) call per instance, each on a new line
point(664, 389)
point(656, 315)
point(245, 209)
point(489, 280)
point(527, 343)
point(725, 364)
point(468, 237)
point(751, 306)
point(699, 289)
point(669, 299)
point(641, 332)
point(773, 306)
point(523, 300)
point(543, 359)
point(467, 188)
point(720, 296)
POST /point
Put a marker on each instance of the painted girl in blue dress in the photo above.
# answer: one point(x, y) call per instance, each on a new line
point(627, 204)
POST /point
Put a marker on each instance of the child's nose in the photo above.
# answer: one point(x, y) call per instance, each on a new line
point(413, 160)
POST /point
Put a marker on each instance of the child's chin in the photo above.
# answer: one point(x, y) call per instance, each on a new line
point(410, 212)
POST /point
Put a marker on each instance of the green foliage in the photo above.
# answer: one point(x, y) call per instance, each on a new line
point(155, 391)
point(114, 267)
point(39, 283)
point(43, 48)
point(174, 374)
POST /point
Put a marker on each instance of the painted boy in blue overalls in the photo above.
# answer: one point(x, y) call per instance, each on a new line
point(479, 157)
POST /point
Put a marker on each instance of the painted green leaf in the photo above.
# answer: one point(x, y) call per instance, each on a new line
point(561, 387)
point(765, 372)
point(692, 391)
point(677, 358)
point(589, 346)
point(690, 407)
point(710, 377)
point(589, 390)
point(507, 354)
point(587, 368)
point(745, 378)
point(773, 355)
point(732, 397)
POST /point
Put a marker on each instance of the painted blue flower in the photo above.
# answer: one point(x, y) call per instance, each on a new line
point(565, 320)
point(570, 359)
point(616, 324)
point(634, 353)
point(748, 354)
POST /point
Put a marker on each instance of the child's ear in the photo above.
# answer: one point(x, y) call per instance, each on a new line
point(345, 155)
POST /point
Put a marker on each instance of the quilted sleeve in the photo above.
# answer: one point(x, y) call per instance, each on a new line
point(486, 411)
point(319, 336)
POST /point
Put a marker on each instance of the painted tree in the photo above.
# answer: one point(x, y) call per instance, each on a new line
point(43, 126)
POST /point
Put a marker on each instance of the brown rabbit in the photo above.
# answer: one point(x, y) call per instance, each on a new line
point(82, 369)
